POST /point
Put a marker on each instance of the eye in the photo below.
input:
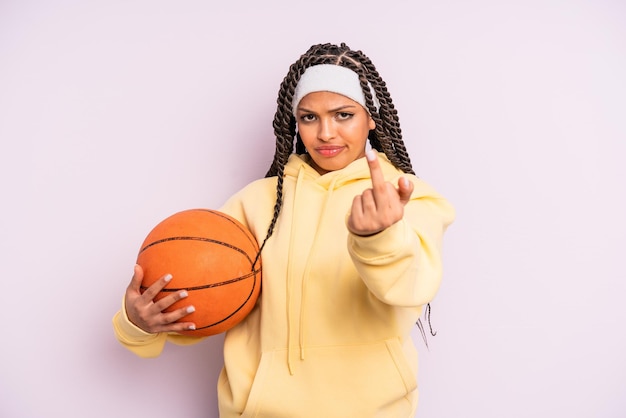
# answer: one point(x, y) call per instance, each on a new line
point(308, 117)
point(344, 115)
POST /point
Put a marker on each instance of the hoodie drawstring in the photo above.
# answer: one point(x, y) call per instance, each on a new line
point(290, 274)
point(299, 169)
point(307, 270)
point(290, 270)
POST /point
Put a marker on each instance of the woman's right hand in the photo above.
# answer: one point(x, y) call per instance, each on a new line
point(149, 315)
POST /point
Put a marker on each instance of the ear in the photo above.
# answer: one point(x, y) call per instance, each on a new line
point(372, 124)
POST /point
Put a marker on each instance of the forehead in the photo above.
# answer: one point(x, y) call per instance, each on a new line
point(325, 99)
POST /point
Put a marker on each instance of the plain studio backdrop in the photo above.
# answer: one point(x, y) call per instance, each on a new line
point(116, 114)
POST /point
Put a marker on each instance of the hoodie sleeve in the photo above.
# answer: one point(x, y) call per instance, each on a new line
point(402, 265)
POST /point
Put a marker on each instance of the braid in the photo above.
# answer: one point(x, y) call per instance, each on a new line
point(387, 136)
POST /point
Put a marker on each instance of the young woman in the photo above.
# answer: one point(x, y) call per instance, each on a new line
point(351, 246)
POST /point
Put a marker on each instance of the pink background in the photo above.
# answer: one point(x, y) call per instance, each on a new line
point(115, 114)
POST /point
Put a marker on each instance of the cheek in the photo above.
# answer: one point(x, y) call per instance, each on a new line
point(306, 136)
point(358, 135)
point(362, 126)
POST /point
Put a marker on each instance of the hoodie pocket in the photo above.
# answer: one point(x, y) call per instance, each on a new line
point(404, 369)
point(259, 383)
point(373, 380)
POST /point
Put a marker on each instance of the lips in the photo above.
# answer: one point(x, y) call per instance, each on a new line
point(329, 151)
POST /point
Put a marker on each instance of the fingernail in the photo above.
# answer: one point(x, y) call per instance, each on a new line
point(190, 309)
point(192, 327)
point(370, 155)
point(183, 294)
point(167, 277)
point(405, 182)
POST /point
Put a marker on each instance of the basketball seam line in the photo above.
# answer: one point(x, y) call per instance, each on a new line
point(214, 241)
point(208, 286)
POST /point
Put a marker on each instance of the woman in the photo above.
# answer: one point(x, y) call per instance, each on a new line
point(351, 247)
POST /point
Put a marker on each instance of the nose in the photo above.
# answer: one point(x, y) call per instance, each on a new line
point(326, 130)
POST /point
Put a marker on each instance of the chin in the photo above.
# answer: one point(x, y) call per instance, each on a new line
point(332, 164)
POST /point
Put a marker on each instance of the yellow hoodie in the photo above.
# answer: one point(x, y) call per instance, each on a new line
point(330, 335)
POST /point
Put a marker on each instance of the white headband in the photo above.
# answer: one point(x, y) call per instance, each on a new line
point(332, 78)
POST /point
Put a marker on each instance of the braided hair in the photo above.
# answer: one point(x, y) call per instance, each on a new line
point(386, 137)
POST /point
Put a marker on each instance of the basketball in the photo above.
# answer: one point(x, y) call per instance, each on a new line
point(210, 255)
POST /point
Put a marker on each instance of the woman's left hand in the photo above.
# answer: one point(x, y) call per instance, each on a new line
point(381, 206)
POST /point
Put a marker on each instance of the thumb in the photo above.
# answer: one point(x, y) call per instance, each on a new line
point(405, 188)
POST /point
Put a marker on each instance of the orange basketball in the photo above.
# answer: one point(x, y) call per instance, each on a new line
point(212, 256)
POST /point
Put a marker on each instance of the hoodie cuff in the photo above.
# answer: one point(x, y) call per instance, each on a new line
point(382, 245)
point(128, 330)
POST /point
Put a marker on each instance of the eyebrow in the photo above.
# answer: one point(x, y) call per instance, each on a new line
point(337, 109)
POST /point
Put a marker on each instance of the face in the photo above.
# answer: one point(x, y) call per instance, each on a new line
point(333, 129)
